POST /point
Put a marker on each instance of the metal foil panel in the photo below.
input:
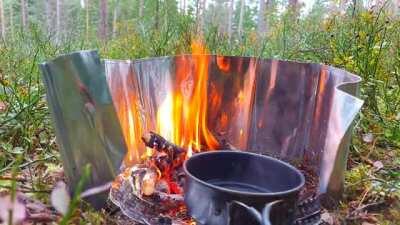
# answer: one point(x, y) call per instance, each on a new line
point(290, 110)
point(86, 126)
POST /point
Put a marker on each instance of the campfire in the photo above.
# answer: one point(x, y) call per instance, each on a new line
point(138, 122)
point(152, 176)
point(150, 188)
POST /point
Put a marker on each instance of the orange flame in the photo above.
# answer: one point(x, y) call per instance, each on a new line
point(124, 96)
point(182, 116)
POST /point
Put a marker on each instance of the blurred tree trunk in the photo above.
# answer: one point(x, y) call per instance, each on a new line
point(294, 6)
point(261, 24)
point(103, 20)
point(197, 8)
point(58, 20)
point(203, 14)
point(182, 4)
point(197, 14)
point(87, 21)
point(24, 14)
point(342, 5)
point(230, 13)
point(141, 7)
point(48, 11)
point(240, 26)
point(2, 21)
point(157, 14)
point(115, 18)
point(200, 8)
point(293, 3)
point(11, 21)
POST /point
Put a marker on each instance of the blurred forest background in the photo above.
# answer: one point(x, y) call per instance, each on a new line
point(361, 36)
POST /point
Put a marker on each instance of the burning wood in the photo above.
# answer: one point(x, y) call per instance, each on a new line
point(151, 192)
point(155, 187)
point(159, 143)
point(145, 198)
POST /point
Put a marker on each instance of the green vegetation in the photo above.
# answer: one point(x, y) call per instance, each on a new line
point(362, 40)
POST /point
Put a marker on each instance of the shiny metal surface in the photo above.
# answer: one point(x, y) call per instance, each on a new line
point(86, 126)
point(290, 110)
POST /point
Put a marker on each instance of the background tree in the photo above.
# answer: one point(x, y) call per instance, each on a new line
point(241, 13)
point(103, 25)
point(261, 24)
point(183, 6)
point(2, 21)
point(49, 16)
point(58, 20)
point(294, 5)
point(230, 13)
point(87, 15)
point(115, 18)
point(157, 14)
point(24, 14)
point(11, 20)
point(141, 6)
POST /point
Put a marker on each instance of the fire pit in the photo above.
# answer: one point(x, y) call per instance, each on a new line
point(137, 122)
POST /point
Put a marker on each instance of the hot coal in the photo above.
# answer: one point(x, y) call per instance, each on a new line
point(156, 208)
point(151, 192)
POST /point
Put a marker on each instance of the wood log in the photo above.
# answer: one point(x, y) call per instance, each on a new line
point(167, 156)
point(157, 142)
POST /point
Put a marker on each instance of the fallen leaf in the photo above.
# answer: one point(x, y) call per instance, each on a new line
point(60, 198)
point(368, 138)
point(398, 116)
point(18, 210)
point(378, 165)
point(327, 218)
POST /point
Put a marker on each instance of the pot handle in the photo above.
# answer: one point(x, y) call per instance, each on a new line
point(267, 212)
point(262, 218)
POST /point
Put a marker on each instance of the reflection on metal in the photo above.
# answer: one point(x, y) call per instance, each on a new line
point(290, 110)
point(86, 125)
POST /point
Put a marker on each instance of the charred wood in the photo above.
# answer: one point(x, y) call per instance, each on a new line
point(157, 142)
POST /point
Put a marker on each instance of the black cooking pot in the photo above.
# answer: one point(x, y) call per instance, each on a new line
point(241, 188)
